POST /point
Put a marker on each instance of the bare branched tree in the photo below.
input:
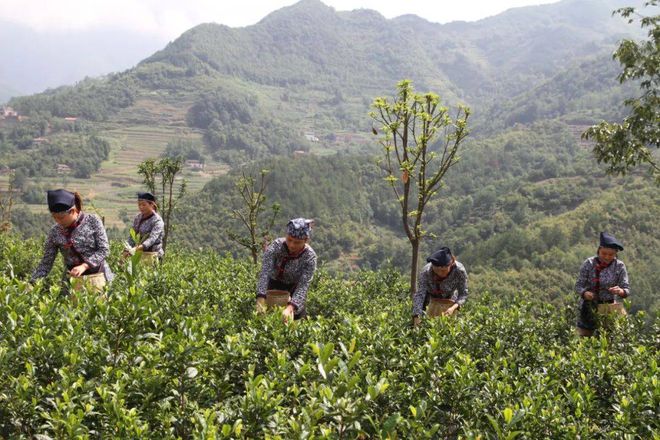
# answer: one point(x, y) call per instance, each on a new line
point(163, 173)
point(250, 213)
point(421, 143)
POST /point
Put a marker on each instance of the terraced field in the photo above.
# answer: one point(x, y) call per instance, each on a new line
point(116, 183)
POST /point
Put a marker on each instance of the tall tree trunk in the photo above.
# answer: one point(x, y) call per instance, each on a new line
point(413, 266)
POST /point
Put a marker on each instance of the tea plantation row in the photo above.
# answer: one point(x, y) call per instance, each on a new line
point(180, 354)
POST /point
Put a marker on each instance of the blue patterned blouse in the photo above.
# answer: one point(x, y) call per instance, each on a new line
point(85, 243)
point(454, 287)
point(613, 275)
point(298, 271)
point(151, 230)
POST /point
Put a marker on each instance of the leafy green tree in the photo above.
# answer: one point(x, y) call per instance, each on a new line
point(187, 148)
point(411, 125)
point(7, 203)
point(163, 173)
point(624, 146)
point(250, 212)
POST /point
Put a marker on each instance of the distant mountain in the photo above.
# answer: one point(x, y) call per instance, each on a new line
point(35, 61)
point(308, 74)
point(315, 69)
point(585, 92)
point(310, 43)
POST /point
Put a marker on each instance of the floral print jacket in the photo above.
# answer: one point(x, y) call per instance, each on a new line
point(86, 242)
point(298, 271)
point(151, 230)
point(454, 287)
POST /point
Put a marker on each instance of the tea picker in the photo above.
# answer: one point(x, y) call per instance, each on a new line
point(147, 231)
point(288, 267)
point(80, 238)
point(601, 284)
point(442, 286)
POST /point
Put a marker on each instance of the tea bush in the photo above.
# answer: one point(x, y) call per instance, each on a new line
point(179, 353)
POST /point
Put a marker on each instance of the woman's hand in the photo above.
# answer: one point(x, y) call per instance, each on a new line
point(139, 248)
point(79, 270)
point(616, 290)
point(287, 314)
point(450, 311)
point(589, 296)
point(416, 321)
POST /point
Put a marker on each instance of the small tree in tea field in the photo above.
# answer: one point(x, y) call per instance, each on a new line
point(253, 199)
point(421, 142)
point(162, 174)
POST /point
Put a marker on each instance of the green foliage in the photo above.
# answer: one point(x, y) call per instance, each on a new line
point(179, 353)
point(28, 224)
point(82, 151)
point(238, 128)
point(7, 199)
point(223, 107)
point(580, 94)
point(185, 148)
point(15, 257)
point(35, 146)
point(629, 144)
point(91, 99)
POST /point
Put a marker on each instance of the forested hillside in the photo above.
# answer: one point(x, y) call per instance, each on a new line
point(291, 94)
point(580, 94)
point(530, 201)
point(307, 53)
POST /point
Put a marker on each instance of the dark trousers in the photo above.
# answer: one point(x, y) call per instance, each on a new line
point(279, 285)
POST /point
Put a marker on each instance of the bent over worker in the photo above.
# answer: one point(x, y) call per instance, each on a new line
point(442, 286)
point(82, 240)
point(288, 266)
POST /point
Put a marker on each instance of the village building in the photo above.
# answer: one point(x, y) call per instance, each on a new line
point(9, 114)
point(63, 168)
point(195, 165)
point(311, 137)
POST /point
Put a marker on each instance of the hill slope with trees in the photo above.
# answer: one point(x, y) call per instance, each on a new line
point(301, 82)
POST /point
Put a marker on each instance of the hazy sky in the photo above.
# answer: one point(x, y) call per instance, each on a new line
point(169, 18)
